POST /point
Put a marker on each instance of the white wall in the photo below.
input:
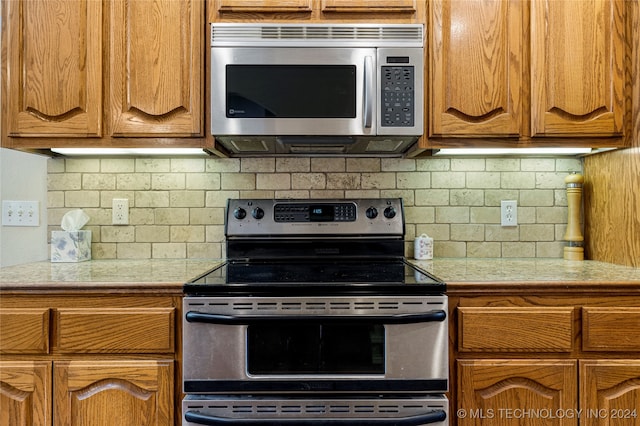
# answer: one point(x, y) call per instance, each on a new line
point(23, 177)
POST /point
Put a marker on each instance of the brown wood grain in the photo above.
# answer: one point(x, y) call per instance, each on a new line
point(24, 331)
point(610, 329)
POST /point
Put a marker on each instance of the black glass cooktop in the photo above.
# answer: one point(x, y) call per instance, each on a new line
point(326, 276)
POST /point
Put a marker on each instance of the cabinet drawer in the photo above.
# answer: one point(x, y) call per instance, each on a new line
point(121, 330)
point(610, 329)
point(515, 329)
point(24, 331)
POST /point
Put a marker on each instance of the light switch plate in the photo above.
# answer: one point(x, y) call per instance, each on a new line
point(20, 213)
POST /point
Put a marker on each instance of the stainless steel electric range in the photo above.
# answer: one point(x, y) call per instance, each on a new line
point(316, 306)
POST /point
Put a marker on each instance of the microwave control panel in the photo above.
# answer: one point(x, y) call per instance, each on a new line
point(398, 97)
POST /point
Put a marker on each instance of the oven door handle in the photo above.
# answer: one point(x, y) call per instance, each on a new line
point(432, 316)
point(421, 419)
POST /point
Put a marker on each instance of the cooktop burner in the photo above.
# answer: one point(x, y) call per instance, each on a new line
point(324, 276)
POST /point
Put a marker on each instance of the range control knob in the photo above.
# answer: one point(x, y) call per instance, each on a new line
point(257, 213)
point(239, 213)
point(372, 212)
point(390, 212)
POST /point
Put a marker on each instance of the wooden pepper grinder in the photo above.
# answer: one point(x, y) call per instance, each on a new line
point(574, 249)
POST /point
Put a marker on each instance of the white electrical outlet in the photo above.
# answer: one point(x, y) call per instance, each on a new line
point(120, 211)
point(509, 213)
point(20, 213)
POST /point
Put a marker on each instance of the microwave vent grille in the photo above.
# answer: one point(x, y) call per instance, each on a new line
point(407, 35)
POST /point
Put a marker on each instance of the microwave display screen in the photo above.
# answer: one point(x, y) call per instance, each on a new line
point(282, 348)
point(284, 91)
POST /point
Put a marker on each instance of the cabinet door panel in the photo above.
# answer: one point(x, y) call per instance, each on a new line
point(493, 386)
point(156, 67)
point(106, 393)
point(610, 392)
point(476, 67)
point(610, 329)
point(24, 331)
point(368, 6)
point(264, 6)
point(25, 396)
point(54, 52)
point(578, 70)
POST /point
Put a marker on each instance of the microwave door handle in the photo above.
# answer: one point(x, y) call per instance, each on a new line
point(368, 90)
point(420, 419)
point(432, 316)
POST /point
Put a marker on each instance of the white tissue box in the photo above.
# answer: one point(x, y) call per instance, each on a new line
point(70, 246)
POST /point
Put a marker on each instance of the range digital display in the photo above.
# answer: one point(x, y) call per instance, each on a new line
point(321, 213)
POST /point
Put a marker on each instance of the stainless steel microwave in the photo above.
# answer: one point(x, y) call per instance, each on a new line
point(317, 89)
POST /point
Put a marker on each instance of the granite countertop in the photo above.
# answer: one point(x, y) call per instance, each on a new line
point(460, 274)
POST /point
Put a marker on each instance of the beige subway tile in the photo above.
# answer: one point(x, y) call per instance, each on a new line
point(172, 216)
point(407, 195)
point(219, 198)
point(326, 194)
point(468, 164)
point(255, 165)
point(433, 164)
point(273, 181)
point(502, 164)
point(437, 231)
point(117, 165)
point(134, 250)
point(240, 181)
point(362, 193)
point(539, 232)
point(493, 197)
point(204, 251)
point(207, 216)
point(170, 181)
point(152, 198)
point(519, 180)
point(526, 214)
point(82, 165)
point(452, 214)
point(484, 214)
point(448, 179)
point(518, 249)
point(152, 234)
point(560, 197)
point(82, 199)
point(208, 181)
point(55, 165)
point(292, 194)
point(432, 197)
point(551, 214)
point(117, 234)
point(214, 233)
point(396, 165)
point(343, 181)
point(55, 199)
point(550, 180)
point(450, 249)
point(188, 234)
point(290, 165)
point(168, 250)
point(104, 251)
point(466, 197)
point(187, 165)
point(501, 233)
point(536, 197)
point(153, 165)
point(467, 232)
point(326, 165)
point(98, 216)
point(186, 198)
point(418, 180)
point(106, 198)
point(308, 181)
point(568, 165)
point(534, 164)
point(371, 165)
point(100, 181)
point(254, 193)
point(560, 230)
point(483, 180)
point(484, 249)
point(419, 214)
point(133, 181)
point(554, 249)
point(378, 181)
point(222, 165)
point(64, 181)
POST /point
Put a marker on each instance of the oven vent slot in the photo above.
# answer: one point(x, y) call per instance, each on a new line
point(315, 408)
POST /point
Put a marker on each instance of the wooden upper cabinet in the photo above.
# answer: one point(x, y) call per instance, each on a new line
point(578, 70)
point(156, 67)
point(54, 76)
point(476, 70)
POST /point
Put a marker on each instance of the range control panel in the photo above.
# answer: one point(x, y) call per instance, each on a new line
point(247, 217)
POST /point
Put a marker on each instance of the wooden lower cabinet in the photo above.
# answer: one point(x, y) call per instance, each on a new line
point(25, 393)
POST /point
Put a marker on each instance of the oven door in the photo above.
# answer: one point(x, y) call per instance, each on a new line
point(342, 344)
point(278, 411)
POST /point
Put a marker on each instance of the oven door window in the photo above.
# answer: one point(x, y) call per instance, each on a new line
point(283, 91)
point(315, 348)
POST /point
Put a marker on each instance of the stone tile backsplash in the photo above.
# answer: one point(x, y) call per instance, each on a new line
point(177, 204)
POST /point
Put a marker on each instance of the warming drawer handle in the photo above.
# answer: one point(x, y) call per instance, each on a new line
point(432, 316)
point(421, 419)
